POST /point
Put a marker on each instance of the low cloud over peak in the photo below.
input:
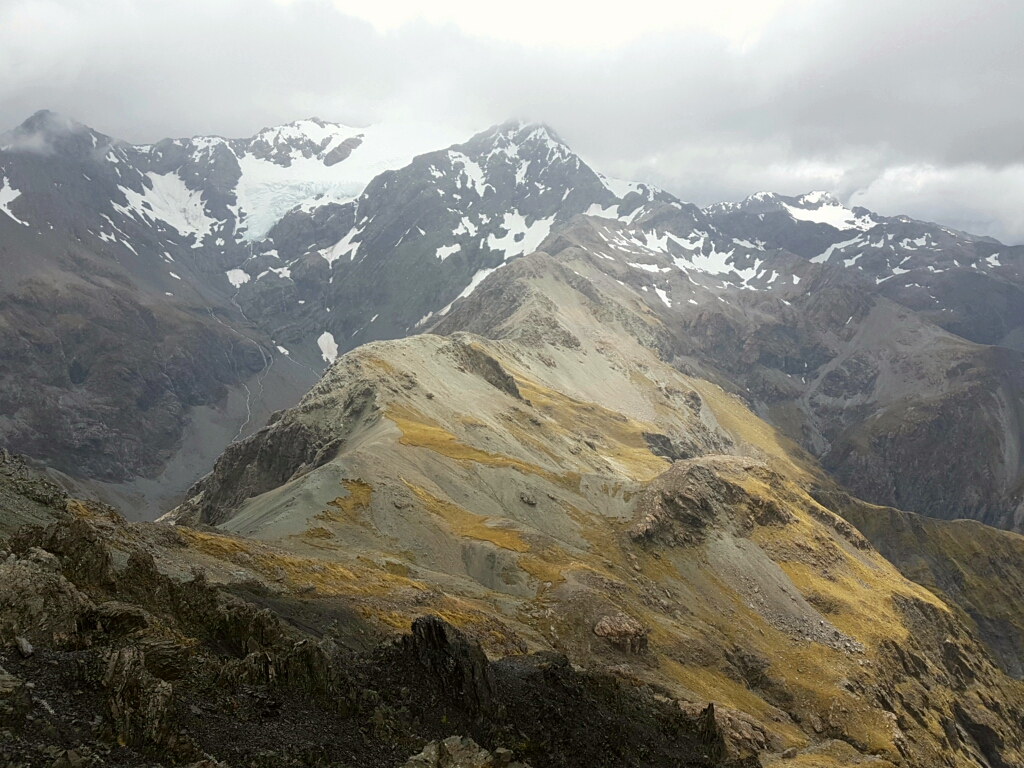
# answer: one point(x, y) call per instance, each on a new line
point(907, 108)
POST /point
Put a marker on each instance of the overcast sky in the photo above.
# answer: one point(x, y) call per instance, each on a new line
point(912, 106)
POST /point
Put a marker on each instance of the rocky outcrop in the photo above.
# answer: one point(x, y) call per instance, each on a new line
point(25, 497)
point(37, 603)
point(684, 502)
point(460, 666)
point(624, 632)
point(183, 671)
point(461, 752)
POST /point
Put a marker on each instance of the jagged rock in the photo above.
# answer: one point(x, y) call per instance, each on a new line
point(82, 557)
point(459, 664)
point(475, 359)
point(15, 700)
point(673, 449)
point(167, 659)
point(139, 705)
point(624, 632)
point(43, 559)
point(461, 752)
point(119, 618)
point(683, 503)
point(40, 605)
point(24, 647)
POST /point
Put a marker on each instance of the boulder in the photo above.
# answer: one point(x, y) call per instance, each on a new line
point(624, 632)
point(15, 700)
point(461, 752)
point(39, 605)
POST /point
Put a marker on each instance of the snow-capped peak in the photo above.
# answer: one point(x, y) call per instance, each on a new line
point(317, 161)
point(817, 198)
point(822, 208)
point(312, 129)
point(818, 207)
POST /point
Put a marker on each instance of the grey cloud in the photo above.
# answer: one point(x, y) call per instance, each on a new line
point(38, 135)
point(835, 96)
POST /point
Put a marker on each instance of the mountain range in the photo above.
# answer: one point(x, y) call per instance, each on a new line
point(161, 301)
point(474, 455)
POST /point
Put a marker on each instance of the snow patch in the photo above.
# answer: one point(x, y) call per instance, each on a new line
point(713, 263)
point(823, 257)
point(169, 200)
point(829, 212)
point(475, 177)
point(478, 277)
point(344, 247)
point(611, 212)
point(8, 194)
point(447, 250)
point(237, 277)
point(466, 227)
point(646, 267)
point(328, 347)
point(522, 238)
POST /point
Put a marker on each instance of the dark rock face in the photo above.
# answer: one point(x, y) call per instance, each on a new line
point(287, 447)
point(460, 666)
point(25, 497)
point(98, 384)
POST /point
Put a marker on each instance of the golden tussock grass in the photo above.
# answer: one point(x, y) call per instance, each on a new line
point(215, 545)
point(350, 506)
point(622, 440)
point(420, 431)
point(467, 524)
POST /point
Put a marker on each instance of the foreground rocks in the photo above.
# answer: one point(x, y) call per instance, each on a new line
point(131, 668)
point(457, 752)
